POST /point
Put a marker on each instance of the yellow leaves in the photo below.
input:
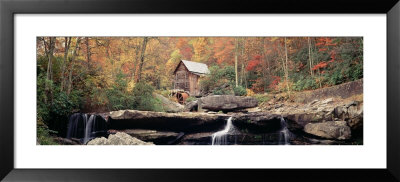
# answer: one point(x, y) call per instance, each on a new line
point(250, 92)
point(274, 39)
point(131, 85)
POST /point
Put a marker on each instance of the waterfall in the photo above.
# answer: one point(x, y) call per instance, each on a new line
point(284, 134)
point(89, 128)
point(86, 127)
point(220, 137)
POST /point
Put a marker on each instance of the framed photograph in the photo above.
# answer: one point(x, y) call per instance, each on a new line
point(204, 91)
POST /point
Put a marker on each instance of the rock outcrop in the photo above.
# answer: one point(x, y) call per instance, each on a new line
point(168, 105)
point(227, 102)
point(188, 122)
point(191, 106)
point(156, 137)
point(260, 122)
point(317, 111)
point(351, 112)
point(119, 138)
point(330, 130)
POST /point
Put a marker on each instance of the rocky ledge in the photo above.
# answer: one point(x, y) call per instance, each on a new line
point(258, 122)
point(177, 122)
point(119, 138)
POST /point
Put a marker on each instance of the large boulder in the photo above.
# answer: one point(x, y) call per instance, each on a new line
point(187, 122)
point(351, 112)
point(168, 105)
point(257, 122)
point(191, 106)
point(119, 138)
point(330, 130)
point(157, 137)
point(227, 102)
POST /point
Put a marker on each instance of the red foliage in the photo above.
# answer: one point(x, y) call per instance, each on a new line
point(333, 56)
point(275, 82)
point(322, 64)
point(323, 43)
point(184, 48)
point(186, 52)
point(253, 63)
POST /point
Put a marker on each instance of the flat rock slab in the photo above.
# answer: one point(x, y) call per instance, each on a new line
point(187, 122)
point(330, 130)
point(227, 102)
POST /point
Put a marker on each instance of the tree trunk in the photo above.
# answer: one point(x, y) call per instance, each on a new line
point(67, 44)
point(136, 61)
point(88, 53)
point(74, 55)
point(286, 68)
point(49, 74)
point(139, 76)
point(309, 56)
point(236, 60)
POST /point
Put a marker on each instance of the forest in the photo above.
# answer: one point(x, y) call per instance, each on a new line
point(102, 74)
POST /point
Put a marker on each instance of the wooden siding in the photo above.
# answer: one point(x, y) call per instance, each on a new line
point(185, 80)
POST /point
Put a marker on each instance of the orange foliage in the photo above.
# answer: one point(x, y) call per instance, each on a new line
point(253, 63)
point(322, 64)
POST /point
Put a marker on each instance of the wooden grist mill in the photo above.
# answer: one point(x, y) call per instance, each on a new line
point(187, 76)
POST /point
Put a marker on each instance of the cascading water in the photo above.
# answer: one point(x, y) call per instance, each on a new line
point(220, 137)
point(86, 127)
point(284, 134)
point(89, 128)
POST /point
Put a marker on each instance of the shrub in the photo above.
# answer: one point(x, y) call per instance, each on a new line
point(240, 91)
point(249, 92)
point(143, 98)
point(262, 98)
point(190, 99)
point(43, 135)
point(118, 97)
point(218, 77)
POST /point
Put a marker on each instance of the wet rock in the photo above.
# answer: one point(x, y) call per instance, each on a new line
point(196, 139)
point(260, 122)
point(119, 138)
point(355, 120)
point(227, 102)
point(330, 130)
point(188, 122)
point(66, 141)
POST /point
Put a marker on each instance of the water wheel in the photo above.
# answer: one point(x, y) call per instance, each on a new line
point(182, 96)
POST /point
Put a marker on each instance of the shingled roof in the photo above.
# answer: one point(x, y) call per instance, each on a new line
point(195, 67)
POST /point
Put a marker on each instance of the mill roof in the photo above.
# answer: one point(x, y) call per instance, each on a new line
point(195, 67)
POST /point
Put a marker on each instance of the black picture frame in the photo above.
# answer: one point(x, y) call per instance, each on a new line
point(9, 8)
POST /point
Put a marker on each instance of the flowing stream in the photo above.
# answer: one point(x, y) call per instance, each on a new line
point(85, 127)
point(220, 137)
point(284, 134)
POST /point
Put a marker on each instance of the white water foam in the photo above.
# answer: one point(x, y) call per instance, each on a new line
point(220, 137)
